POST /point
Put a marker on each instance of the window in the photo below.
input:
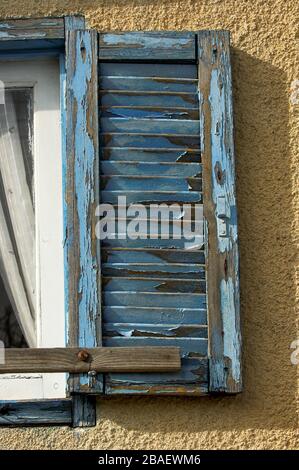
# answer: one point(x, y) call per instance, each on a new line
point(147, 120)
point(31, 171)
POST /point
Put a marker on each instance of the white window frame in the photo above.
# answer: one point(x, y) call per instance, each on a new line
point(44, 76)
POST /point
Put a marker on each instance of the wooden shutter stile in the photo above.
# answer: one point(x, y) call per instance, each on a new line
point(220, 211)
point(84, 296)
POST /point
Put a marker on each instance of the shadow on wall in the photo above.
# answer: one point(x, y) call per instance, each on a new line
point(267, 251)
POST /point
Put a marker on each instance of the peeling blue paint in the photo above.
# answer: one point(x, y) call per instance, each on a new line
point(84, 193)
point(215, 95)
point(231, 338)
point(148, 45)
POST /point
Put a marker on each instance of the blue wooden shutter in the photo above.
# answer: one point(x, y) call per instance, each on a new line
point(166, 135)
point(154, 291)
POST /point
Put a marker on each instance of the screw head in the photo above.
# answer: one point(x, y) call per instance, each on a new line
point(83, 355)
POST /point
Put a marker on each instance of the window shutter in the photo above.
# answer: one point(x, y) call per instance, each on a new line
point(153, 290)
point(166, 131)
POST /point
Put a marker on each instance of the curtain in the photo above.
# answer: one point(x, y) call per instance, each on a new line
point(17, 220)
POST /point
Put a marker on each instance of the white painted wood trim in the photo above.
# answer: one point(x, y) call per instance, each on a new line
point(50, 318)
point(14, 286)
point(18, 197)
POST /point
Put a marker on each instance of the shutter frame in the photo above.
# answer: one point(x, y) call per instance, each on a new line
point(82, 164)
point(147, 46)
point(220, 211)
point(215, 107)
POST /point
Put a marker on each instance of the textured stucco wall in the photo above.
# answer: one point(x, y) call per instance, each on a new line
point(265, 36)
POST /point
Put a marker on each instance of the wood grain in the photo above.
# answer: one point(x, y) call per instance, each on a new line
point(119, 359)
point(219, 195)
point(144, 46)
point(31, 29)
point(36, 412)
point(82, 196)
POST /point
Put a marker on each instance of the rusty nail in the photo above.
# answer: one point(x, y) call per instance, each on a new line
point(83, 355)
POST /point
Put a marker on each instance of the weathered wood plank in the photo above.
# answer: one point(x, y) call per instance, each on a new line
point(83, 410)
point(165, 285)
point(31, 29)
point(176, 271)
point(39, 412)
point(194, 371)
point(178, 85)
point(125, 387)
point(35, 48)
point(150, 299)
point(114, 255)
point(83, 405)
point(125, 69)
point(132, 330)
point(84, 360)
point(150, 141)
point(123, 168)
point(149, 243)
point(151, 197)
point(73, 22)
point(145, 46)
point(178, 213)
point(154, 315)
point(82, 151)
point(183, 155)
point(188, 347)
point(150, 98)
point(150, 112)
point(150, 126)
point(148, 183)
point(215, 90)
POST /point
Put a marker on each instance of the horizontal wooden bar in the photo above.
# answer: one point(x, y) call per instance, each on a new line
point(134, 168)
point(150, 183)
point(154, 299)
point(188, 85)
point(150, 270)
point(150, 197)
point(149, 112)
point(135, 125)
point(141, 69)
point(134, 330)
point(141, 255)
point(172, 155)
point(31, 29)
point(158, 45)
point(81, 360)
point(35, 412)
point(191, 380)
point(157, 285)
point(142, 98)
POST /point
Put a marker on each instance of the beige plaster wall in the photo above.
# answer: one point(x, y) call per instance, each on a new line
point(265, 36)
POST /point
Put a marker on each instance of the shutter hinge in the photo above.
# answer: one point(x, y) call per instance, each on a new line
point(223, 213)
